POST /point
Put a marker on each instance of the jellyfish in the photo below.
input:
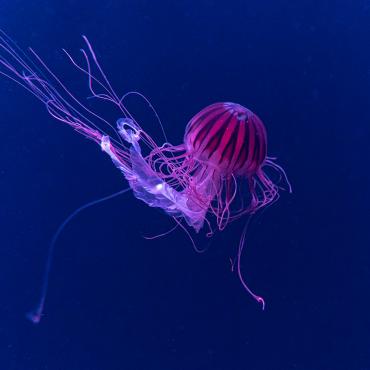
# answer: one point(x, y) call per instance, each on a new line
point(216, 176)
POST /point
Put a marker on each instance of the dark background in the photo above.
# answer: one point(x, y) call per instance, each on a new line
point(118, 301)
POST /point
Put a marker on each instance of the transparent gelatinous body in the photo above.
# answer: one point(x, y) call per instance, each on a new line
point(147, 184)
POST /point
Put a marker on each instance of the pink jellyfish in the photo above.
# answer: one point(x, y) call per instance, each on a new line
point(215, 177)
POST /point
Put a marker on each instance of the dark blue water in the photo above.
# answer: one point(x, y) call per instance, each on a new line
point(118, 301)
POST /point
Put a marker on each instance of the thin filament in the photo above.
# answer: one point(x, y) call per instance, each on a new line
point(36, 314)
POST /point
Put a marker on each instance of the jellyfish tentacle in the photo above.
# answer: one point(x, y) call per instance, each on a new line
point(36, 314)
point(258, 298)
point(146, 183)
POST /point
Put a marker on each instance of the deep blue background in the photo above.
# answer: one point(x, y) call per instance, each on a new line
point(118, 301)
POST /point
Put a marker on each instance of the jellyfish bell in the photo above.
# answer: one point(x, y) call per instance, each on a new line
point(229, 137)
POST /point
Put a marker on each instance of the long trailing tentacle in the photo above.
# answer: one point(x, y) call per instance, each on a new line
point(36, 314)
point(238, 266)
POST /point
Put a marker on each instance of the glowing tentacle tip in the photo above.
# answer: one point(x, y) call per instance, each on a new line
point(34, 316)
point(262, 301)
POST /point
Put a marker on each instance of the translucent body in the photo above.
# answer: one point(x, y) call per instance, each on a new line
point(147, 184)
point(179, 179)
